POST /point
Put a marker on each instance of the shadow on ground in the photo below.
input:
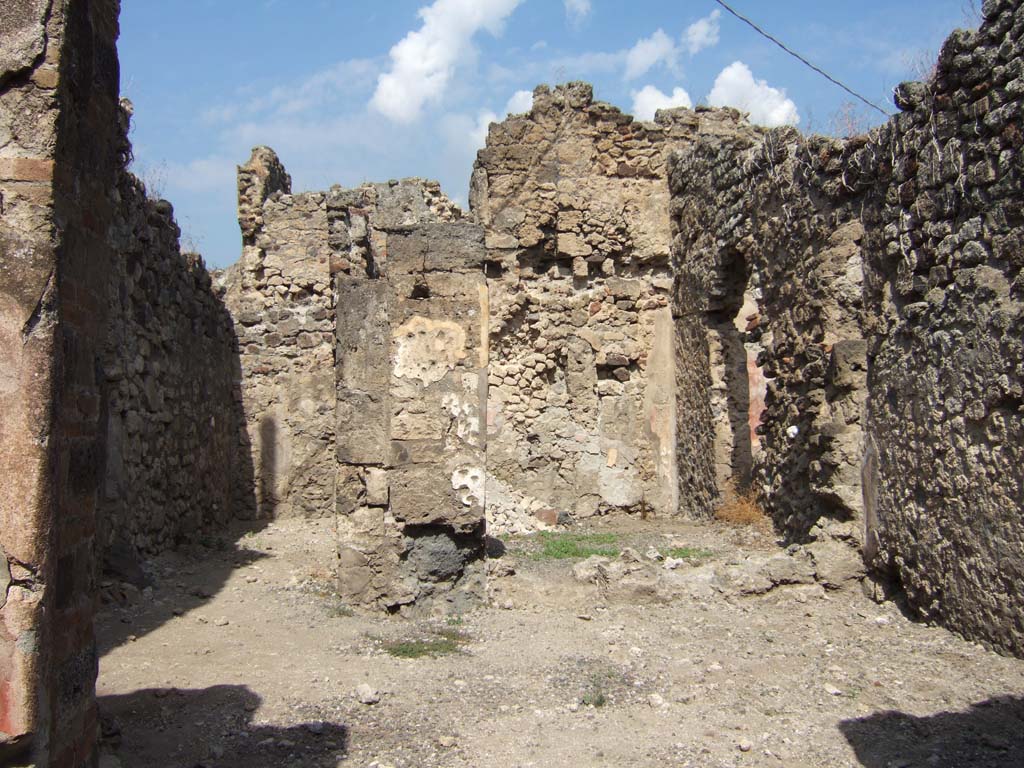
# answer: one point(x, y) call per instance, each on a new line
point(988, 735)
point(211, 728)
point(191, 576)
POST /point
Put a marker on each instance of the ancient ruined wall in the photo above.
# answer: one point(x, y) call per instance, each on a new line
point(945, 292)
point(412, 361)
point(362, 319)
point(582, 406)
point(279, 294)
point(173, 466)
point(919, 220)
point(769, 267)
point(58, 157)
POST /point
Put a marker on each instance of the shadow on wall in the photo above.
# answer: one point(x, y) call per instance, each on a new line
point(724, 310)
point(170, 728)
point(268, 466)
point(988, 735)
point(737, 383)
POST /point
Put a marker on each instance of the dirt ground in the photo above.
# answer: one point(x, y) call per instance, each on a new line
point(240, 656)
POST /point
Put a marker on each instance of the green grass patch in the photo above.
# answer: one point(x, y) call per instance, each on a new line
point(566, 546)
point(338, 610)
point(596, 693)
point(444, 642)
point(688, 553)
point(595, 697)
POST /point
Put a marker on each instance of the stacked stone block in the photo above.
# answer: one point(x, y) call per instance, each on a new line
point(412, 380)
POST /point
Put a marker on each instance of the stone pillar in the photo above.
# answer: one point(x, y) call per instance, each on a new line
point(58, 158)
point(412, 374)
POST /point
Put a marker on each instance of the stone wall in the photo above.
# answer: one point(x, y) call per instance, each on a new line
point(582, 407)
point(280, 297)
point(902, 250)
point(58, 157)
point(767, 244)
point(945, 294)
point(173, 467)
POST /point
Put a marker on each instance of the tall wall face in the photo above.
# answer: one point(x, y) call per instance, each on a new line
point(412, 361)
point(280, 297)
point(945, 292)
point(921, 220)
point(769, 269)
point(582, 405)
point(173, 463)
point(58, 158)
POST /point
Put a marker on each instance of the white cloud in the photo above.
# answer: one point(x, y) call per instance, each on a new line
point(478, 136)
point(220, 114)
point(659, 48)
point(320, 87)
point(459, 128)
point(521, 101)
point(577, 10)
point(423, 62)
point(649, 100)
point(315, 92)
point(736, 87)
point(703, 33)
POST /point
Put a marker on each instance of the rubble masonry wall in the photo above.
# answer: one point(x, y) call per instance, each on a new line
point(175, 464)
point(582, 409)
point(920, 222)
point(768, 259)
point(279, 294)
point(945, 307)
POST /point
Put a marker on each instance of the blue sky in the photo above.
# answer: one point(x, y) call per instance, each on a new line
point(349, 92)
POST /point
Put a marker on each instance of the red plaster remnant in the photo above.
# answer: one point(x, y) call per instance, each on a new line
point(758, 387)
point(25, 169)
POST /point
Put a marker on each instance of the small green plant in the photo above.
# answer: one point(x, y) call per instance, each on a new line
point(454, 621)
point(417, 649)
point(564, 546)
point(595, 697)
point(443, 643)
point(338, 610)
point(688, 553)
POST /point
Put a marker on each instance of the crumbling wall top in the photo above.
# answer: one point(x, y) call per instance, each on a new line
point(258, 179)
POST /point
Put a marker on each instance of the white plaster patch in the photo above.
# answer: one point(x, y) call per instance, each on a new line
point(470, 482)
point(464, 414)
point(427, 349)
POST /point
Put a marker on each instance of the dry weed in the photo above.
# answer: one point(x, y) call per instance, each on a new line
point(741, 507)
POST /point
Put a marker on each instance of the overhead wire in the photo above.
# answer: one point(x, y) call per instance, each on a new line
point(800, 58)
